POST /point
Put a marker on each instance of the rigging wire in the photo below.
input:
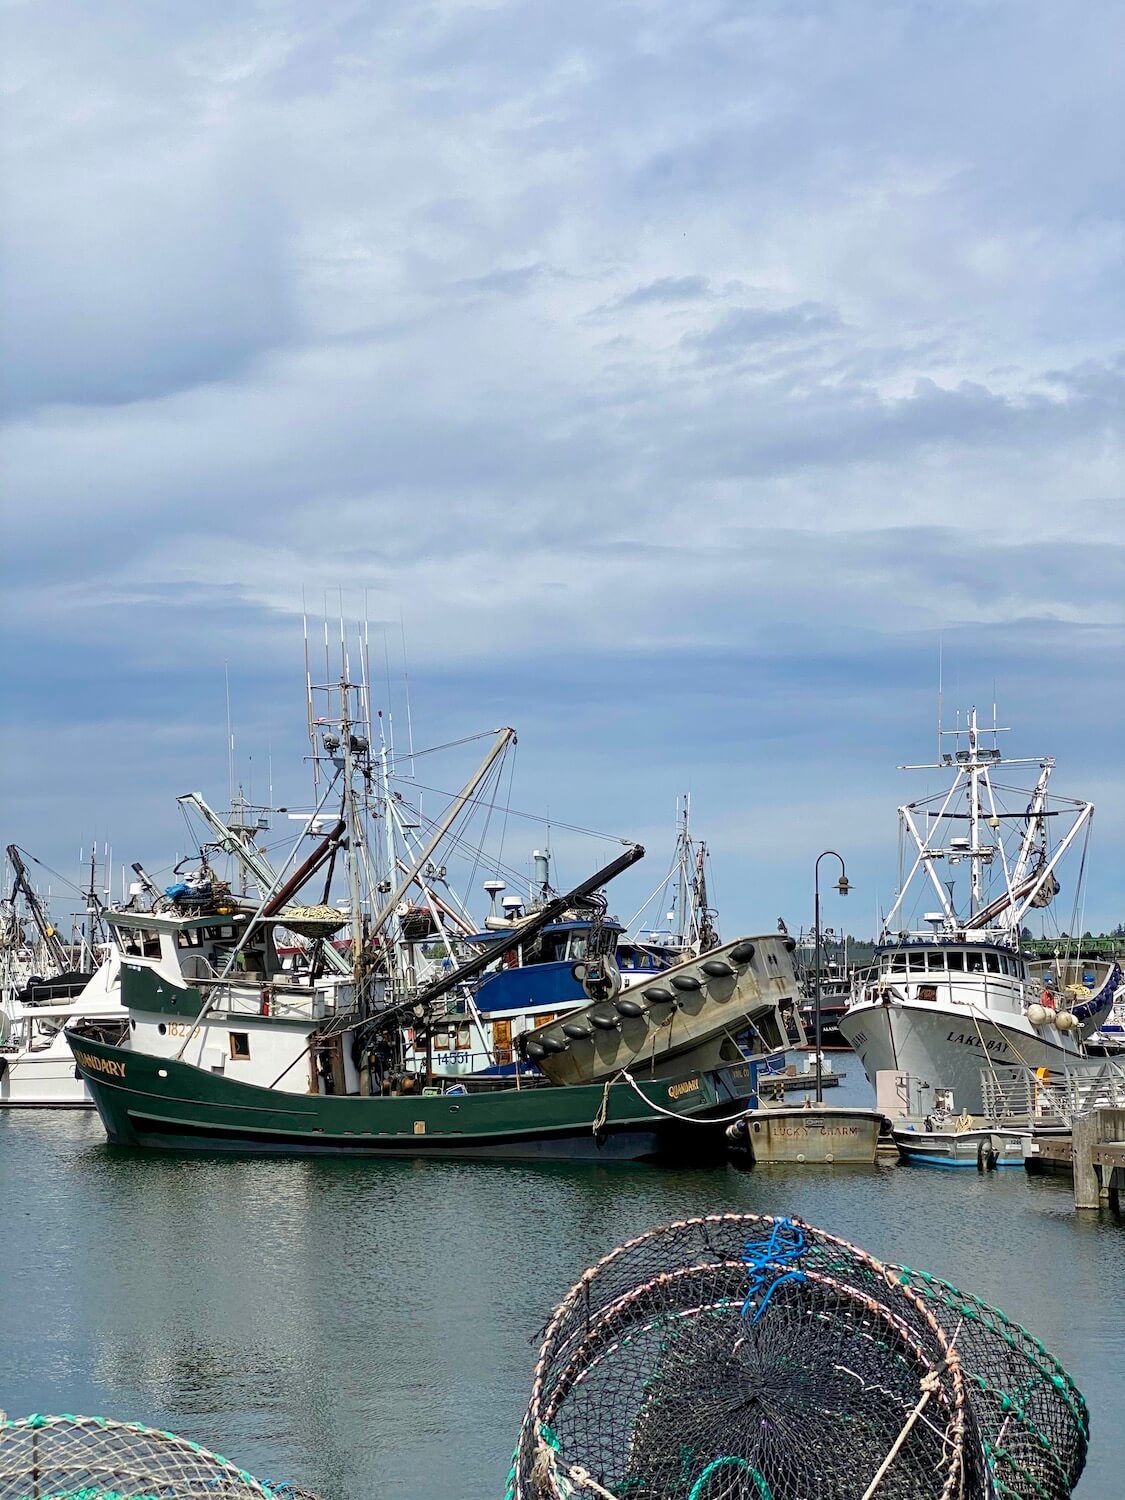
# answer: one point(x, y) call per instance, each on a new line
point(459, 845)
point(495, 772)
point(507, 808)
point(76, 888)
point(593, 833)
point(468, 739)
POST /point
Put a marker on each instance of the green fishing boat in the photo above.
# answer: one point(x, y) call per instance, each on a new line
point(158, 1102)
point(239, 1038)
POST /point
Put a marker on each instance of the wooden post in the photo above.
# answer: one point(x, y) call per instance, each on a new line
point(1085, 1135)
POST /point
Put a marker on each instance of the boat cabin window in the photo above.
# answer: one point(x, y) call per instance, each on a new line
point(897, 964)
point(196, 937)
point(974, 963)
point(239, 1045)
point(140, 944)
point(956, 962)
point(992, 961)
point(917, 962)
point(935, 962)
point(630, 959)
point(579, 942)
point(552, 948)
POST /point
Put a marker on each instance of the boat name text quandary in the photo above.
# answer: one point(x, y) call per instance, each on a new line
point(101, 1064)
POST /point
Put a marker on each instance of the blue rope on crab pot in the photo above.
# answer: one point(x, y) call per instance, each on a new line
point(774, 1256)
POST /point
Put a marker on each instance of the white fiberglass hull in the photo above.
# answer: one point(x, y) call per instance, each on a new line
point(947, 1049)
point(37, 1068)
point(42, 1079)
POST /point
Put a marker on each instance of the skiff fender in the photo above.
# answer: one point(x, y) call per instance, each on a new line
point(686, 982)
point(717, 968)
point(659, 994)
point(605, 1020)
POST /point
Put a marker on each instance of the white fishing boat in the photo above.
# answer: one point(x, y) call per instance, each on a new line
point(956, 994)
point(45, 985)
point(36, 1065)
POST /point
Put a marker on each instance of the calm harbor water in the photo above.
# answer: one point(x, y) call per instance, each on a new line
point(368, 1328)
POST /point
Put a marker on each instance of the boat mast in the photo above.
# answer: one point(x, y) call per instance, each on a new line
point(684, 875)
point(389, 829)
point(350, 744)
point(974, 818)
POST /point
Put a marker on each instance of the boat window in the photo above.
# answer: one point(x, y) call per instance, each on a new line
point(189, 938)
point(956, 962)
point(917, 962)
point(935, 962)
point(464, 1038)
point(578, 945)
point(992, 962)
point(974, 963)
point(898, 963)
point(239, 1044)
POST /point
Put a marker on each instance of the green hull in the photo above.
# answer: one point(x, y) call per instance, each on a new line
point(157, 1103)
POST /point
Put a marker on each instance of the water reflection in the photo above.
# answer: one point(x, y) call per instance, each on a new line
point(368, 1328)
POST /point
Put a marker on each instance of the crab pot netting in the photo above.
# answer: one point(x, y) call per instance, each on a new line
point(744, 1356)
point(92, 1458)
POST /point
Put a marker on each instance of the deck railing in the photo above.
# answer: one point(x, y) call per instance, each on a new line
point(1053, 1095)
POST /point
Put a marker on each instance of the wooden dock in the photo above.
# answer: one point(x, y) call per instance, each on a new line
point(774, 1085)
point(1093, 1155)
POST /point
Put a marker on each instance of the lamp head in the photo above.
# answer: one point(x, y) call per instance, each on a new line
point(842, 885)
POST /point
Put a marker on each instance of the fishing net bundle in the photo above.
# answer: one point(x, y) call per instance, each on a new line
point(743, 1357)
point(93, 1458)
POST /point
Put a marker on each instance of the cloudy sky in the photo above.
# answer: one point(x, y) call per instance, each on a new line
point(671, 375)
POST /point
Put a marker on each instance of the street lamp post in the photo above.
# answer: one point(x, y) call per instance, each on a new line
point(843, 887)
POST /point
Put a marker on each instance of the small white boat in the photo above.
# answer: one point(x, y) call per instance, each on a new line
point(984, 1147)
point(36, 1064)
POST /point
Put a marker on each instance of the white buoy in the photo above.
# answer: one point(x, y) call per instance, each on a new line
point(1037, 1014)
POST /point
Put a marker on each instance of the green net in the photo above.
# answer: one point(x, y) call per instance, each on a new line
point(743, 1357)
point(95, 1458)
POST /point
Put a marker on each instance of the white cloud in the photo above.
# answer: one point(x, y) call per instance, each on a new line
point(632, 331)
